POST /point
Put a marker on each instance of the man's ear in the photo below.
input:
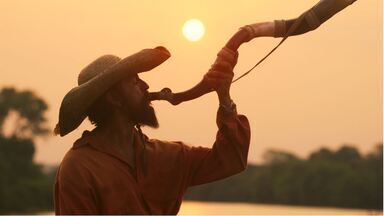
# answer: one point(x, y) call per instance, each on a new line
point(114, 98)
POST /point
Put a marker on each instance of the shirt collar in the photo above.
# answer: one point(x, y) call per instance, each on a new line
point(98, 142)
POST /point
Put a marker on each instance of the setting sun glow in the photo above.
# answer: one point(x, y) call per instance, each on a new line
point(193, 30)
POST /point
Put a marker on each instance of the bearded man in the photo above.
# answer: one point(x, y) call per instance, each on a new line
point(115, 168)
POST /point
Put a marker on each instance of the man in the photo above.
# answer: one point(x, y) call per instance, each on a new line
point(115, 169)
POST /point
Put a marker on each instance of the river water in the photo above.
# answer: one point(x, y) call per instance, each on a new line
point(228, 208)
point(220, 208)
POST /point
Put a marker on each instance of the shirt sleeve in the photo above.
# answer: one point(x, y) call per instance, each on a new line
point(73, 191)
point(228, 155)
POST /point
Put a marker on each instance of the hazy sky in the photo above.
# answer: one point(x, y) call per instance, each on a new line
point(323, 88)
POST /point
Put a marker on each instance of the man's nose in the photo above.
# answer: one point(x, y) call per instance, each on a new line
point(144, 85)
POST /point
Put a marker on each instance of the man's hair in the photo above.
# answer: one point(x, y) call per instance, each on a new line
point(101, 109)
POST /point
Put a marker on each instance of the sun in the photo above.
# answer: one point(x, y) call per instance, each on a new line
point(193, 29)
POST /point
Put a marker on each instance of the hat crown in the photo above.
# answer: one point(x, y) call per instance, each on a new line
point(97, 67)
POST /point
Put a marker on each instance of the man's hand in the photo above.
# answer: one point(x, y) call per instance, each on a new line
point(220, 76)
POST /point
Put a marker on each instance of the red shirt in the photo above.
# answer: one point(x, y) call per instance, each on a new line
point(95, 178)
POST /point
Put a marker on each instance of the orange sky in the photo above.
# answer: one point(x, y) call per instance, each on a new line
point(323, 88)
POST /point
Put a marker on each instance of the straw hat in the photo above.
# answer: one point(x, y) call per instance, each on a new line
point(95, 79)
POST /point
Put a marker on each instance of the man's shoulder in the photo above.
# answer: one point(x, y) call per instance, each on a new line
point(77, 163)
point(79, 153)
point(75, 157)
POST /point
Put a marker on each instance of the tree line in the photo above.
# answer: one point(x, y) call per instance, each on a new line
point(342, 178)
point(25, 187)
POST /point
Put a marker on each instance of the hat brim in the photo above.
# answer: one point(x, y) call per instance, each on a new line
point(76, 102)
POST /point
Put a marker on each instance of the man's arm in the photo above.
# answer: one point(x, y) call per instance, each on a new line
point(229, 153)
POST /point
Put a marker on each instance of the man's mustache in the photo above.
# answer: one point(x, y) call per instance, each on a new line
point(146, 99)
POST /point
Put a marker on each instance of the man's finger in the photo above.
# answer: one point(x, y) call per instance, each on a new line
point(220, 74)
point(215, 83)
point(212, 82)
point(228, 55)
point(222, 65)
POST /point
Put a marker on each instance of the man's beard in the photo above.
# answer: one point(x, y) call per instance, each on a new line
point(147, 116)
point(144, 114)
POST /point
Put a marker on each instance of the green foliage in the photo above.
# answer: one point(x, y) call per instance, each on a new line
point(24, 187)
point(273, 157)
point(342, 178)
point(30, 111)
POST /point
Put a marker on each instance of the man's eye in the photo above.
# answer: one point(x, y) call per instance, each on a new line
point(134, 80)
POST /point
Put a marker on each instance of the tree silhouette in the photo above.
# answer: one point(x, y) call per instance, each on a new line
point(28, 110)
point(341, 178)
point(275, 156)
point(23, 185)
